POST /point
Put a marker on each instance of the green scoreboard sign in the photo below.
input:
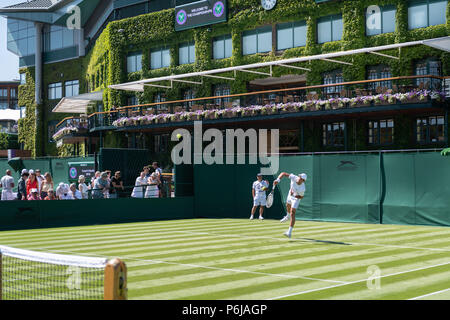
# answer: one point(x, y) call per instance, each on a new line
point(200, 13)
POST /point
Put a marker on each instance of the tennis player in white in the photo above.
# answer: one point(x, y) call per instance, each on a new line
point(259, 196)
point(295, 195)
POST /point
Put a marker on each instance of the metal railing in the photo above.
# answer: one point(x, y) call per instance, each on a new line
point(353, 89)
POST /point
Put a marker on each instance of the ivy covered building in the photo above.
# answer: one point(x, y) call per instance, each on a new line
point(120, 63)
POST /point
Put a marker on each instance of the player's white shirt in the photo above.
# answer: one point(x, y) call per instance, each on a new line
point(257, 186)
point(297, 190)
point(6, 182)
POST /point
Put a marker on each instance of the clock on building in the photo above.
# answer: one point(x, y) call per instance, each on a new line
point(268, 4)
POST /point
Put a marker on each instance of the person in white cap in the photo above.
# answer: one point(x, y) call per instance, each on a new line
point(7, 184)
point(295, 195)
point(259, 188)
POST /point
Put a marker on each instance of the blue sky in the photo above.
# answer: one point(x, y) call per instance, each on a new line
point(9, 63)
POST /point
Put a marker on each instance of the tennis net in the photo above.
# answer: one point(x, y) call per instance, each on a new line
point(30, 275)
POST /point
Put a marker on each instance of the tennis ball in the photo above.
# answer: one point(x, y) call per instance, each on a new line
point(179, 136)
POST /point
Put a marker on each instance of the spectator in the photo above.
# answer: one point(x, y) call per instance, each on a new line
point(106, 191)
point(116, 183)
point(75, 193)
point(46, 185)
point(83, 187)
point(62, 192)
point(138, 190)
point(7, 184)
point(50, 195)
point(97, 175)
point(100, 185)
point(34, 194)
point(32, 182)
point(152, 189)
point(40, 180)
point(147, 172)
point(159, 171)
point(22, 185)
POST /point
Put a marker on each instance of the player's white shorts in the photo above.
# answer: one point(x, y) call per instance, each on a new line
point(259, 202)
point(293, 201)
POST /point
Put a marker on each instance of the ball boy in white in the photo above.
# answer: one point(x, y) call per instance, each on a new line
point(259, 196)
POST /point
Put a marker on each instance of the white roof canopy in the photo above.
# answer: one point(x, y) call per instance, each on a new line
point(138, 86)
point(9, 114)
point(77, 104)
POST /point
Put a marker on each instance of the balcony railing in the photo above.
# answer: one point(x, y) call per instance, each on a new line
point(71, 125)
point(395, 90)
point(339, 95)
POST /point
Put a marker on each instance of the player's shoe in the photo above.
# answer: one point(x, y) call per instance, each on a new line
point(251, 217)
point(261, 218)
point(286, 218)
point(287, 234)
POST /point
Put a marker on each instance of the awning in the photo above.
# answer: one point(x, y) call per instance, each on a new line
point(10, 114)
point(439, 43)
point(77, 104)
point(167, 81)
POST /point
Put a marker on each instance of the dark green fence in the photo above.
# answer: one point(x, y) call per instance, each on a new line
point(391, 188)
point(45, 214)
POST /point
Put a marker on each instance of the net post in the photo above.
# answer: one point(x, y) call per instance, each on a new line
point(115, 280)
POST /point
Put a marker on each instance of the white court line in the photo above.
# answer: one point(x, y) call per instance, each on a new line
point(319, 240)
point(358, 281)
point(125, 258)
point(430, 294)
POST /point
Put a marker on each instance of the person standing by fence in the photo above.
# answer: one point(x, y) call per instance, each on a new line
point(7, 184)
point(46, 185)
point(152, 189)
point(22, 185)
point(138, 190)
point(32, 182)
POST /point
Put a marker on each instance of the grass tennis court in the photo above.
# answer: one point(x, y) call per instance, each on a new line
point(237, 259)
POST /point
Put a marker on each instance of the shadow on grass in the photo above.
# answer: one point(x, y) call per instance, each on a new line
point(323, 241)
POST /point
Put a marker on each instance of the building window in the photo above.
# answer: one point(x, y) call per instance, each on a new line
point(428, 67)
point(381, 132)
point(4, 105)
point(257, 41)
point(431, 129)
point(57, 37)
point(23, 78)
point(21, 37)
point(132, 101)
point(187, 95)
point(289, 140)
point(187, 53)
point(161, 143)
point(13, 93)
point(425, 13)
point(222, 47)
point(55, 91)
point(222, 90)
point(3, 93)
point(333, 77)
point(134, 62)
point(72, 88)
point(380, 20)
point(379, 72)
point(329, 28)
point(291, 35)
point(160, 97)
point(333, 134)
point(160, 58)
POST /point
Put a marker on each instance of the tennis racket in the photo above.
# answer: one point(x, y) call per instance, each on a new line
point(269, 201)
